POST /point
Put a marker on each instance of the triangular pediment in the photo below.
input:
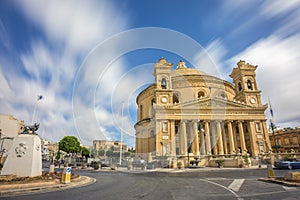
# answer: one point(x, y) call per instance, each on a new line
point(210, 102)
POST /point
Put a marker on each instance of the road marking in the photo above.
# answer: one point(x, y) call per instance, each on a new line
point(226, 188)
point(236, 184)
point(289, 188)
point(216, 179)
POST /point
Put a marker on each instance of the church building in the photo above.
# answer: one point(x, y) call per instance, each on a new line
point(187, 112)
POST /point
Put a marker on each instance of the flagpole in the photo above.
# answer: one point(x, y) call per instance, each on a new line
point(34, 110)
point(120, 162)
point(273, 125)
point(39, 97)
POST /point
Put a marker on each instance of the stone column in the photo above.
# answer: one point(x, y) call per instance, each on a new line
point(172, 138)
point(183, 139)
point(235, 132)
point(137, 141)
point(266, 136)
point(224, 138)
point(207, 138)
point(253, 140)
point(158, 138)
point(202, 143)
point(195, 138)
point(214, 138)
point(230, 138)
point(242, 137)
point(220, 139)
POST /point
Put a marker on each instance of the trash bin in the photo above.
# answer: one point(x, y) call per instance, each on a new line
point(66, 175)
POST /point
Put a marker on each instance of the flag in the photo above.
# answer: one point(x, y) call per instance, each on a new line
point(271, 110)
point(39, 97)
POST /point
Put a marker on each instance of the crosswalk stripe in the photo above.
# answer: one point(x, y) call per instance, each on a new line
point(236, 184)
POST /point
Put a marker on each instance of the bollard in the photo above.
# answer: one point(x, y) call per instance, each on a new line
point(51, 168)
point(270, 172)
point(66, 175)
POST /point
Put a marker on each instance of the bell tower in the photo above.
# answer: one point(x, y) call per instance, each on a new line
point(244, 79)
point(162, 71)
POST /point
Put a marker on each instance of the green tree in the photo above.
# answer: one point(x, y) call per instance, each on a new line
point(101, 152)
point(57, 157)
point(109, 153)
point(85, 152)
point(93, 153)
point(69, 144)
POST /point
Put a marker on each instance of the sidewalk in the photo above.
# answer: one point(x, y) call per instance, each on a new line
point(280, 181)
point(172, 170)
point(29, 188)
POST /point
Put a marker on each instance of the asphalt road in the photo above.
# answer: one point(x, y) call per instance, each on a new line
point(206, 184)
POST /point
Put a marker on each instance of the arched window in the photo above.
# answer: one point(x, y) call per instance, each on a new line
point(223, 95)
point(240, 86)
point(152, 133)
point(152, 112)
point(165, 127)
point(163, 83)
point(152, 101)
point(141, 112)
point(201, 94)
point(249, 85)
point(175, 98)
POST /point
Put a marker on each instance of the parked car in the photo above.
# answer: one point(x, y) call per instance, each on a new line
point(287, 164)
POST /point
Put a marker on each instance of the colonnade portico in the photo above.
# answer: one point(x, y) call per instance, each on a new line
point(213, 137)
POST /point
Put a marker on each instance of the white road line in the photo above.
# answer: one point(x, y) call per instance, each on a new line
point(216, 179)
point(236, 184)
point(289, 188)
point(222, 186)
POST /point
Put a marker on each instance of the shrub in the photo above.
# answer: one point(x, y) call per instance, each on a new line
point(179, 164)
point(220, 162)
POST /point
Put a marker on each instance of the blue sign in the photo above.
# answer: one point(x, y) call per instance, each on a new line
point(68, 171)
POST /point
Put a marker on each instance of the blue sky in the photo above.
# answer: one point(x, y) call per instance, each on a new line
point(89, 59)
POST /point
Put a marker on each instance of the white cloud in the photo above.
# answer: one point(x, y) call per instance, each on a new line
point(277, 74)
point(276, 54)
point(287, 11)
point(210, 60)
point(71, 29)
point(273, 8)
point(79, 25)
point(5, 89)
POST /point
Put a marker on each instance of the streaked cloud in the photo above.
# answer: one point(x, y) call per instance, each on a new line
point(51, 62)
point(277, 74)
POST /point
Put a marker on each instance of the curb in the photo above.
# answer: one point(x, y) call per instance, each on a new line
point(282, 182)
point(24, 189)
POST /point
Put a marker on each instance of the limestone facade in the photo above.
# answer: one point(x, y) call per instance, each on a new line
point(186, 112)
point(106, 145)
point(287, 140)
point(10, 128)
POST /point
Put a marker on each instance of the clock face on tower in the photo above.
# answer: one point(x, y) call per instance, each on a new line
point(252, 100)
point(164, 99)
